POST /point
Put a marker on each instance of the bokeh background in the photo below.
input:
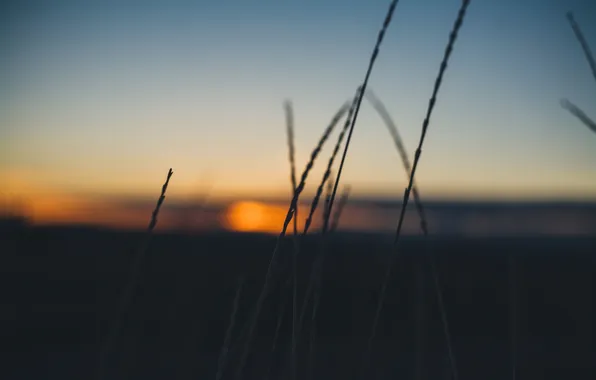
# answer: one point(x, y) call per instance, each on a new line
point(99, 98)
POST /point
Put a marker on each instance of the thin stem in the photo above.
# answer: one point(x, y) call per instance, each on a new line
point(577, 112)
point(513, 315)
point(371, 64)
point(343, 200)
point(328, 191)
point(128, 291)
point(291, 153)
point(265, 289)
point(566, 104)
point(359, 96)
point(291, 146)
point(392, 127)
point(314, 204)
point(408, 190)
point(327, 174)
point(280, 317)
point(313, 337)
point(582, 41)
point(403, 153)
point(221, 363)
point(420, 322)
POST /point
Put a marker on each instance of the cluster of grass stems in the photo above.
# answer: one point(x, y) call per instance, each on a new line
point(329, 185)
point(314, 284)
point(330, 221)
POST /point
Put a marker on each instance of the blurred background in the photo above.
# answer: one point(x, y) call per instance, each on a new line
point(100, 98)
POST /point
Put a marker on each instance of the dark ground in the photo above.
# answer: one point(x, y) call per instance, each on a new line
point(59, 291)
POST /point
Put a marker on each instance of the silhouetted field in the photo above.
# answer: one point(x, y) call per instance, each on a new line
point(61, 287)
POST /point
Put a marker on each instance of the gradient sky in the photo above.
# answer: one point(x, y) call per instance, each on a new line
point(102, 97)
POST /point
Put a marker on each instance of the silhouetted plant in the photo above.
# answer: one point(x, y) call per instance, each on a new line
point(408, 190)
point(291, 156)
point(223, 356)
point(392, 127)
point(343, 200)
point(130, 287)
point(293, 204)
point(567, 104)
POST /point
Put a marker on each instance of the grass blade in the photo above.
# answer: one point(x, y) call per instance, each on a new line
point(327, 174)
point(577, 112)
point(340, 207)
point(582, 41)
point(128, 291)
point(513, 314)
point(328, 191)
point(291, 156)
point(448, 50)
point(314, 204)
point(566, 104)
point(392, 127)
point(371, 64)
point(265, 289)
point(223, 356)
point(317, 266)
point(280, 318)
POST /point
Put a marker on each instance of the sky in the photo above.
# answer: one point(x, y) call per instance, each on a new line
point(101, 98)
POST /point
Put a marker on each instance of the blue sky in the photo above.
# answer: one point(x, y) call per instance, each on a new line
point(104, 97)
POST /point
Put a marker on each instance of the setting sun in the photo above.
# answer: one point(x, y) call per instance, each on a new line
point(249, 216)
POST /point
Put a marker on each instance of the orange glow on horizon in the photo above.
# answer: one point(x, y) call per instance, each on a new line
point(248, 216)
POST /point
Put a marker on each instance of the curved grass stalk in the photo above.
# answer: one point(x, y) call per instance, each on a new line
point(392, 127)
point(265, 289)
point(448, 50)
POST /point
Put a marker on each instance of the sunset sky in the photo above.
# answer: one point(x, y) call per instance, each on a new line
point(100, 98)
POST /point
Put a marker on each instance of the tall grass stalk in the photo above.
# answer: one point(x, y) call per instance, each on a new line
point(130, 287)
point(328, 191)
point(420, 317)
point(316, 271)
point(265, 289)
point(317, 266)
point(582, 41)
point(223, 356)
point(327, 174)
point(343, 200)
point(322, 140)
point(393, 131)
point(378, 105)
point(358, 101)
point(452, 38)
point(315, 203)
point(318, 276)
point(565, 103)
point(578, 113)
point(308, 223)
point(289, 112)
point(513, 315)
point(371, 64)
point(280, 318)
point(295, 326)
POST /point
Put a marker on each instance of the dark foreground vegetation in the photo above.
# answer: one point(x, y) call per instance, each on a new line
point(60, 290)
point(516, 308)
